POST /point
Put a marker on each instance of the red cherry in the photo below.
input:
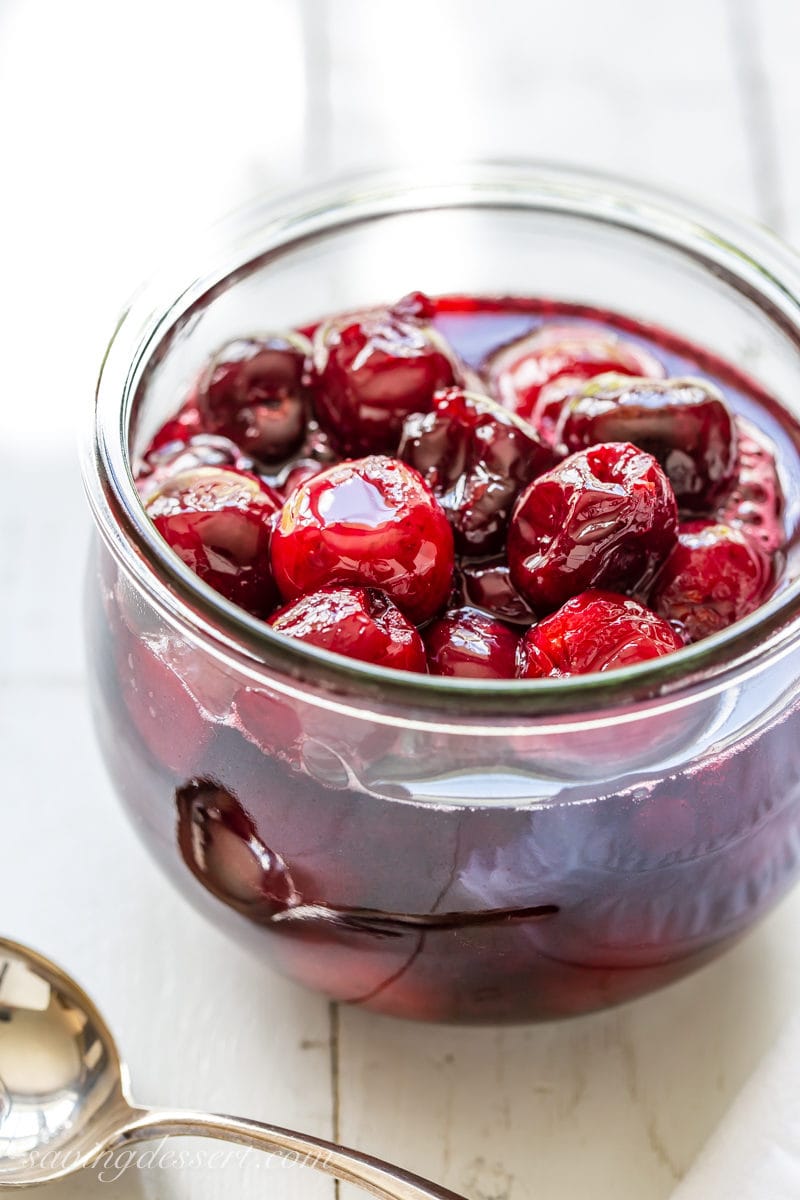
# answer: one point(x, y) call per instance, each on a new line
point(467, 643)
point(755, 505)
point(605, 517)
point(684, 423)
point(200, 450)
point(714, 576)
point(254, 392)
point(358, 622)
point(475, 456)
point(220, 523)
point(595, 631)
point(486, 584)
point(177, 431)
point(534, 376)
point(299, 473)
point(371, 370)
point(272, 721)
point(372, 522)
point(218, 842)
point(165, 713)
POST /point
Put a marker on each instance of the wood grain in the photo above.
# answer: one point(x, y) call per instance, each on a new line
point(134, 124)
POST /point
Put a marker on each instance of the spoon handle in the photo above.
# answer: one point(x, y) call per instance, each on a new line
point(351, 1166)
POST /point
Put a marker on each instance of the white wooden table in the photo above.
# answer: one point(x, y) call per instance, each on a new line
point(126, 126)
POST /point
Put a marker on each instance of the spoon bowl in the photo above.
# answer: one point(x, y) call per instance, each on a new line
point(62, 1082)
point(65, 1098)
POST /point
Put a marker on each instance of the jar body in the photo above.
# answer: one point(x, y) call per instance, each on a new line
point(441, 875)
point(428, 854)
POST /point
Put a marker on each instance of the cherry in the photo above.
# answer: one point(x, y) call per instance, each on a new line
point(604, 517)
point(254, 392)
point(534, 375)
point(755, 504)
point(177, 431)
point(219, 521)
point(486, 583)
point(714, 576)
point(200, 450)
point(684, 423)
point(372, 522)
point(372, 369)
point(359, 622)
point(475, 456)
point(595, 631)
point(163, 710)
point(299, 473)
point(468, 643)
point(271, 720)
point(218, 842)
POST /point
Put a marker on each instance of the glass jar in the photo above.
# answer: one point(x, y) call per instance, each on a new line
point(442, 848)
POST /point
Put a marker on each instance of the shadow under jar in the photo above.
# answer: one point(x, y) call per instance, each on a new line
point(438, 848)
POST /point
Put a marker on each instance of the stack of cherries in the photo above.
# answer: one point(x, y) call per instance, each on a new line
point(563, 509)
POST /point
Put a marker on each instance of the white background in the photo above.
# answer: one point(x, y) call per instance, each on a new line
point(123, 128)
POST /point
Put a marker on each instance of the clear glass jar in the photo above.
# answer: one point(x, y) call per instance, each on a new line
point(430, 847)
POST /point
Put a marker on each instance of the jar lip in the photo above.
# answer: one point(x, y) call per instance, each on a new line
point(758, 263)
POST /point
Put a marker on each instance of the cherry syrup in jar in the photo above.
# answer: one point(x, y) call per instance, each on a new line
point(428, 874)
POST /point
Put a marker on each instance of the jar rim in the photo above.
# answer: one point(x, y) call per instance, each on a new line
point(756, 262)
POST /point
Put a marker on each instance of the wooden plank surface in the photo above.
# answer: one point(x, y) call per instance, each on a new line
point(137, 123)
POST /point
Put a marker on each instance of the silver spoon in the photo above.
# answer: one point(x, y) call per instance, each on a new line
point(65, 1099)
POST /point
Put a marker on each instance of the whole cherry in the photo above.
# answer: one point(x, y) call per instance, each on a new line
point(254, 392)
point(176, 432)
point(174, 458)
point(470, 644)
point(220, 521)
point(684, 423)
point(485, 583)
point(372, 369)
point(534, 375)
point(475, 456)
point(164, 712)
point(359, 622)
point(604, 517)
point(219, 843)
point(755, 502)
point(714, 576)
point(595, 631)
point(372, 522)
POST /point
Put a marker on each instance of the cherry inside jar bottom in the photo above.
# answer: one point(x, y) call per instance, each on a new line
point(446, 877)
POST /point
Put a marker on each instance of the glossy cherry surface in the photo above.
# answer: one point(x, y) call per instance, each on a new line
point(535, 375)
point(359, 622)
point(254, 392)
point(605, 517)
point(149, 684)
point(485, 583)
point(475, 456)
point(176, 457)
point(595, 631)
point(684, 423)
point(470, 644)
point(372, 522)
point(472, 507)
point(755, 504)
point(370, 371)
point(714, 576)
point(220, 522)
point(177, 431)
point(219, 843)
